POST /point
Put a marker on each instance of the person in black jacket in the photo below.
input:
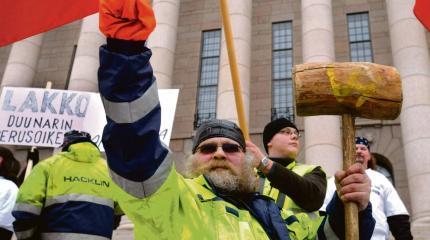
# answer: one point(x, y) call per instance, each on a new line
point(295, 187)
point(298, 187)
point(306, 184)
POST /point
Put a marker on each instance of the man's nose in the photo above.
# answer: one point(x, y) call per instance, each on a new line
point(219, 152)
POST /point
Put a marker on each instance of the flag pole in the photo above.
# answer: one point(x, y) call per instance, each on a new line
point(30, 161)
point(233, 68)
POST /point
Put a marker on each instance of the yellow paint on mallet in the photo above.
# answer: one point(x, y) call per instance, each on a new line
point(353, 85)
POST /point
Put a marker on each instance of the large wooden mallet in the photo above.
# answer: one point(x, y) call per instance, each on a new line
point(351, 90)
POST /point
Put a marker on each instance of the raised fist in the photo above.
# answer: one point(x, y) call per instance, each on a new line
point(126, 19)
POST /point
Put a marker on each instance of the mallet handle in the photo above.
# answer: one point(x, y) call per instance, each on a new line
point(351, 209)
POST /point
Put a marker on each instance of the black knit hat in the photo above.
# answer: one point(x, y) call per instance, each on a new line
point(74, 136)
point(218, 128)
point(363, 141)
point(273, 128)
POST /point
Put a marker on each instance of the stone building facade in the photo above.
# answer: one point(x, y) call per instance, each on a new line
point(270, 36)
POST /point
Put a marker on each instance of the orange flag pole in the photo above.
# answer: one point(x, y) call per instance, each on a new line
point(233, 68)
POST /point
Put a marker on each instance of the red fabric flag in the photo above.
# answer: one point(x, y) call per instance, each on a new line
point(20, 19)
point(422, 12)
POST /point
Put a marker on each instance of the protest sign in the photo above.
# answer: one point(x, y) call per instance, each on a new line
point(40, 117)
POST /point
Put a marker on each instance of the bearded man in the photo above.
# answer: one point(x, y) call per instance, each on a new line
point(220, 202)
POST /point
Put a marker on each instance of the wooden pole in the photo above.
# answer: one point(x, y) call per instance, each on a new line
point(351, 209)
point(233, 68)
point(30, 161)
point(29, 164)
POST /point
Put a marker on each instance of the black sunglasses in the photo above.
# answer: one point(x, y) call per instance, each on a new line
point(213, 147)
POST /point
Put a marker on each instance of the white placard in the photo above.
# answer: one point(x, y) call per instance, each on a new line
point(40, 117)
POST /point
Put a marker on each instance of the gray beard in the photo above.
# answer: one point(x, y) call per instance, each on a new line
point(225, 180)
point(230, 183)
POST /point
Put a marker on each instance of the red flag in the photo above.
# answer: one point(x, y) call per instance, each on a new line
point(422, 12)
point(20, 19)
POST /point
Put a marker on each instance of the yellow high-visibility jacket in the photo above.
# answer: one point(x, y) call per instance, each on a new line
point(68, 196)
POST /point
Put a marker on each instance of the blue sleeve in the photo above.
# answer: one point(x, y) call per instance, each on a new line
point(138, 161)
point(30, 202)
point(334, 221)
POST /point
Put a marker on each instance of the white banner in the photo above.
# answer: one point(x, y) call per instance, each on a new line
point(40, 117)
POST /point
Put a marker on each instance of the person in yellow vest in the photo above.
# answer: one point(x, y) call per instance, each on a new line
point(297, 188)
point(69, 195)
point(221, 202)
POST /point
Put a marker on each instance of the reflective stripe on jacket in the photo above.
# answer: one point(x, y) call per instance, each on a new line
point(303, 223)
point(67, 195)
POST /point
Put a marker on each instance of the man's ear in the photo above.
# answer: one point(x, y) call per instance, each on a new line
point(269, 145)
point(1, 160)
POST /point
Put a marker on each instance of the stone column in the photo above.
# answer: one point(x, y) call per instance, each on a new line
point(411, 57)
point(20, 71)
point(240, 12)
point(22, 63)
point(162, 41)
point(323, 142)
point(84, 72)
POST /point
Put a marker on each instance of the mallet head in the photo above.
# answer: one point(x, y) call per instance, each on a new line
point(361, 89)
